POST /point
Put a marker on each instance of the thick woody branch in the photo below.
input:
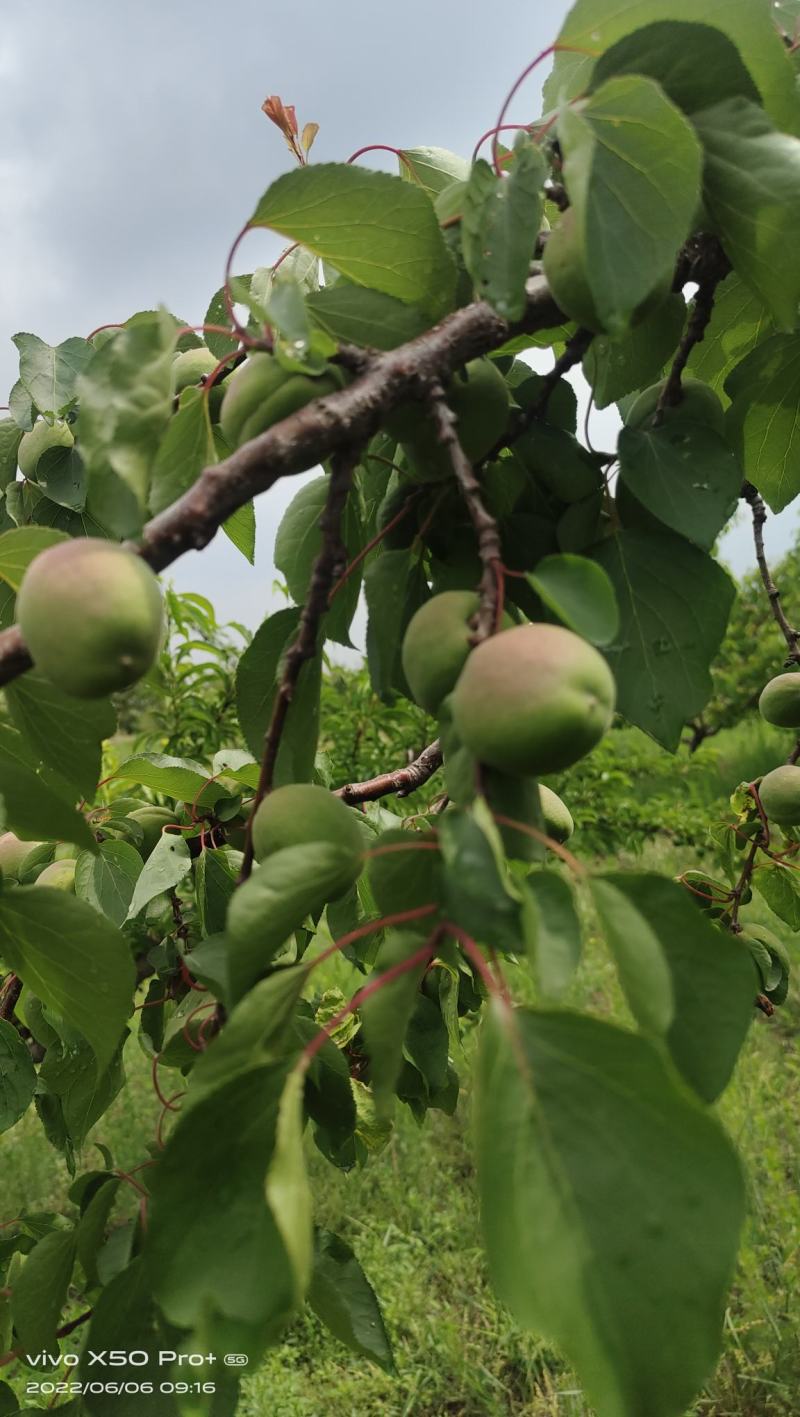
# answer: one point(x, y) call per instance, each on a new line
point(759, 511)
point(10, 990)
point(316, 432)
point(400, 782)
point(490, 589)
point(327, 567)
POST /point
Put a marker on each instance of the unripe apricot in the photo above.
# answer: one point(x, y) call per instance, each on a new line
point(302, 814)
point(152, 820)
point(59, 875)
point(780, 701)
point(404, 873)
point(190, 367)
point(558, 820)
point(436, 645)
point(14, 853)
point(779, 792)
point(91, 616)
point(699, 403)
point(533, 700)
point(261, 392)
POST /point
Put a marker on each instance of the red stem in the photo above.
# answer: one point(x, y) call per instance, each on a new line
point(401, 917)
point(375, 985)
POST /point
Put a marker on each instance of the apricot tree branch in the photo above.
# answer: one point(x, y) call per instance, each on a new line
point(759, 511)
point(314, 433)
point(490, 590)
point(328, 565)
point(401, 781)
point(10, 990)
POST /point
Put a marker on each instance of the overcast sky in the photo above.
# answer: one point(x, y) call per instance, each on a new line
point(135, 147)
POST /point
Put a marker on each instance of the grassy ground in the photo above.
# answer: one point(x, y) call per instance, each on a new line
point(412, 1218)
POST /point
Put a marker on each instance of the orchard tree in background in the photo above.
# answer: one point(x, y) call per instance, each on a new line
point(522, 587)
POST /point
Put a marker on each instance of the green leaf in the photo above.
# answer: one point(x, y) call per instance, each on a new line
point(377, 230)
point(500, 224)
point(475, 896)
point(40, 1291)
point(75, 1091)
point(179, 778)
point(240, 528)
point(126, 401)
point(34, 800)
point(61, 474)
point(615, 367)
point(255, 1030)
point(290, 885)
point(18, 548)
point(685, 473)
point(674, 603)
point(186, 448)
point(106, 881)
point(218, 1154)
point(598, 1178)
point(17, 1076)
point(762, 422)
point(386, 1014)
point(432, 169)
point(49, 375)
point(778, 884)
point(125, 1306)
point(580, 593)
point(682, 977)
point(298, 543)
point(166, 866)
point(256, 687)
point(394, 588)
point(64, 732)
point(92, 1226)
point(217, 314)
point(76, 962)
point(751, 188)
point(738, 323)
point(10, 438)
point(368, 318)
point(591, 26)
point(552, 931)
point(287, 1188)
point(632, 167)
point(214, 885)
point(695, 64)
point(343, 1298)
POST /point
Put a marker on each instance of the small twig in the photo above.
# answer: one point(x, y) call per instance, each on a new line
point(713, 267)
point(491, 588)
point(328, 565)
point(399, 782)
point(9, 995)
point(791, 636)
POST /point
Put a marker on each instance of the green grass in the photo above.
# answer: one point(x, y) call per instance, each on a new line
point(411, 1216)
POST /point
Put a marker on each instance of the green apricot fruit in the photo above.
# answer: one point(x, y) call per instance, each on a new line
point(152, 820)
point(699, 404)
point(59, 875)
point(558, 820)
point(559, 464)
point(66, 851)
point(42, 437)
point(190, 367)
point(13, 853)
point(407, 874)
point(301, 814)
point(780, 701)
point(479, 397)
point(533, 700)
point(91, 616)
point(565, 269)
point(436, 645)
point(261, 392)
point(780, 795)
